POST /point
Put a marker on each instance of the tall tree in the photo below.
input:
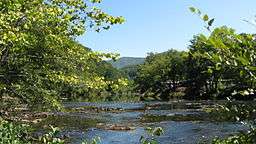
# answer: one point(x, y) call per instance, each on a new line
point(161, 73)
point(38, 53)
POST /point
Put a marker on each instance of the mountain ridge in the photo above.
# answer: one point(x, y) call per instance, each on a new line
point(126, 61)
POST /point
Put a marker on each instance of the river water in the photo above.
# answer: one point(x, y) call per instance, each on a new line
point(184, 122)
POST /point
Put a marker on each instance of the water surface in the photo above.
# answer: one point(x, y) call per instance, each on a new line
point(183, 122)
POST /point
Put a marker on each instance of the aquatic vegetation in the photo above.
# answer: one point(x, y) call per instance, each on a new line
point(68, 122)
point(95, 140)
point(152, 132)
point(51, 137)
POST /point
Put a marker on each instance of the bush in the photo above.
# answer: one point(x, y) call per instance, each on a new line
point(13, 134)
point(243, 138)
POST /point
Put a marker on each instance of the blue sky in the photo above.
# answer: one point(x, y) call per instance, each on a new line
point(159, 25)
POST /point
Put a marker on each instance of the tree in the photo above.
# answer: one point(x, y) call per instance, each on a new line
point(130, 71)
point(161, 73)
point(228, 62)
point(39, 56)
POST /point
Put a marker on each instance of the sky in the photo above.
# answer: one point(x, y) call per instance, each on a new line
point(159, 25)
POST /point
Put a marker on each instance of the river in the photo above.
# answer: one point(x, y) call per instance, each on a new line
point(184, 122)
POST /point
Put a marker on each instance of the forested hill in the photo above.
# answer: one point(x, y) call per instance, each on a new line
point(126, 61)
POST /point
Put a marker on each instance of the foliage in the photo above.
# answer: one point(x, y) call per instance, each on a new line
point(204, 17)
point(161, 74)
point(110, 73)
point(93, 141)
point(109, 82)
point(39, 58)
point(231, 60)
point(158, 131)
point(12, 134)
point(234, 111)
point(51, 137)
point(215, 67)
point(231, 57)
point(243, 138)
point(130, 71)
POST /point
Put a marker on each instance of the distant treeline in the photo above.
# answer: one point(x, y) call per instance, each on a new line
point(214, 67)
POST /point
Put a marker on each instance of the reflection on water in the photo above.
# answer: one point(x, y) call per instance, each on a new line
point(183, 122)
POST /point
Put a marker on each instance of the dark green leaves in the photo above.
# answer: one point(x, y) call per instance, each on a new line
point(96, 1)
point(210, 22)
point(158, 70)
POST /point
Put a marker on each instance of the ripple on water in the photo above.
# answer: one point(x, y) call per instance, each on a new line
point(183, 122)
point(175, 133)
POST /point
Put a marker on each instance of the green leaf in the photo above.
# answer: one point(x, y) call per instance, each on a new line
point(211, 22)
point(210, 71)
point(192, 9)
point(253, 68)
point(243, 60)
point(158, 131)
point(242, 72)
point(218, 66)
point(205, 18)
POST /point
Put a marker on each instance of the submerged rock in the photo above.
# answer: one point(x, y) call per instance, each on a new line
point(115, 127)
